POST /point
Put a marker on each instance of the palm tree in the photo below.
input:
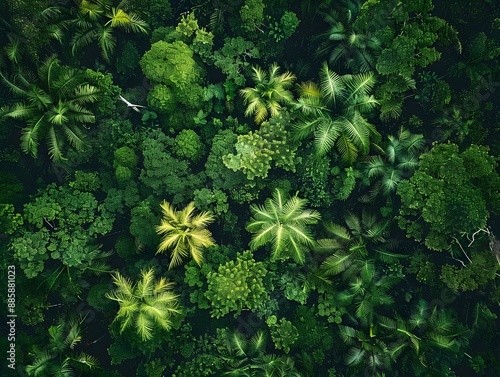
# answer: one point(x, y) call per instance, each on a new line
point(270, 92)
point(335, 113)
point(283, 222)
point(400, 159)
point(421, 340)
point(145, 304)
point(58, 358)
point(96, 21)
point(52, 106)
point(349, 245)
point(247, 358)
point(367, 291)
point(184, 233)
point(365, 351)
point(343, 42)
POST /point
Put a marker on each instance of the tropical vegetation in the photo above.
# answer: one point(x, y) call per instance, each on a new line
point(261, 188)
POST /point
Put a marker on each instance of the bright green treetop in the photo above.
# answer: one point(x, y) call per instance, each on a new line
point(144, 304)
point(283, 222)
point(172, 64)
point(256, 151)
point(237, 285)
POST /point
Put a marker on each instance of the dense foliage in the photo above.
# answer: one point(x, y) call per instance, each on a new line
point(206, 188)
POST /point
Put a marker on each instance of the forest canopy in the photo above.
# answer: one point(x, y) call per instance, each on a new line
point(206, 188)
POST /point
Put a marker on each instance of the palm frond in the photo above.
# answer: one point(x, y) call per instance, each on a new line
point(107, 42)
point(356, 130)
point(82, 38)
point(388, 257)
point(13, 86)
point(331, 84)
point(86, 360)
point(48, 70)
point(128, 21)
point(31, 134)
point(20, 111)
point(391, 109)
point(40, 365)
point(238, 343)
point(85, 93)
point(359, 85)
point(348, 151)
point(258, 342)
point(336, 263)
point(325, 136)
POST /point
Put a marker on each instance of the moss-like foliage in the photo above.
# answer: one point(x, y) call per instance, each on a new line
point(451, 194)
point(237, 285)
point(257, 152)
point(480, 272)
point(162, 99)
point(86, 181)
point(172, 64)
point(125, 156)
point(188, 145)
point(63, 224)
point(283, 333)
point(252, 15)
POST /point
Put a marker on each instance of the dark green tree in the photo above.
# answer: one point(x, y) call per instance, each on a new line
point(59, 358)
point(248, 357)
point(399, 160)
point(349, 244)
point(451, 194)
point(53, 106)
point(343, 42)
point(97, 21)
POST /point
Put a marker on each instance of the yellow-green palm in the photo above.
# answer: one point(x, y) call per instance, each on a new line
point(270, 92)
point(145, 304)
point(184, 233)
